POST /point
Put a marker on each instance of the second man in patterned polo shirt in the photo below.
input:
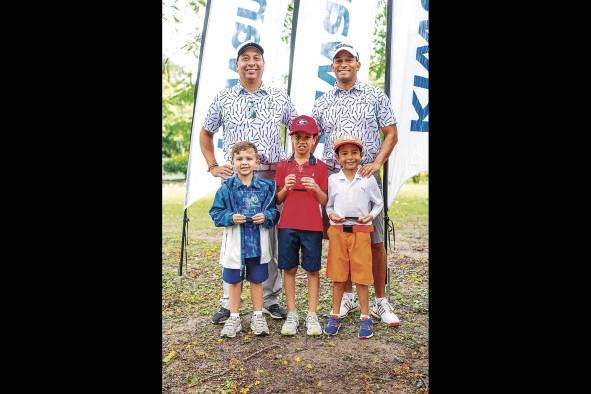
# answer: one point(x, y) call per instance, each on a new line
point(355, 108)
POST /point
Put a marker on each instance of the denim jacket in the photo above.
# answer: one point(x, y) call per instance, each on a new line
point(224, 206)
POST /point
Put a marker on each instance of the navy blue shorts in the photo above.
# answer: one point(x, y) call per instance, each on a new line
point(255, 272)
point(290, 244)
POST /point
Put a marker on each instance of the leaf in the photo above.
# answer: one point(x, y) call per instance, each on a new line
point(169, 357)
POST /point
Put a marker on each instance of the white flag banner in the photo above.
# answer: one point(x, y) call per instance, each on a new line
point(229, 24)
point(321, 24)
point(409, 91)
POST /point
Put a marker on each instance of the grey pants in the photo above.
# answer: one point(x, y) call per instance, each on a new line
point(274, 283)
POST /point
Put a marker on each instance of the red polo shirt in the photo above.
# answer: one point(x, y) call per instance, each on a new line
point(301, 209)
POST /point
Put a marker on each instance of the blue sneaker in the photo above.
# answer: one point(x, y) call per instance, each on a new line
point(333, 325)
point(365, 328)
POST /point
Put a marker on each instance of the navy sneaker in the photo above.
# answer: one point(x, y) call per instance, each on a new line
point(365, 328)
point(275, 311)
point(221, 316)
point(333, 325)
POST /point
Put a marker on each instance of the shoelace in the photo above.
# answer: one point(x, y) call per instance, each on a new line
point(333, 322)
point(259, 323)
point(291, 319)
point(232, 323)
point(386, 306)
point(311, 321)
point(366, 324)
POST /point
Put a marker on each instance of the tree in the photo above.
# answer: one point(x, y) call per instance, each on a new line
point(177, 109)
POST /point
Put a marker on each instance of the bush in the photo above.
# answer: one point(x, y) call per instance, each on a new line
point(421, 177)
point(177, 164)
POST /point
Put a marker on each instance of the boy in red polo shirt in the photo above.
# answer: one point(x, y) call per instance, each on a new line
point(302, 184)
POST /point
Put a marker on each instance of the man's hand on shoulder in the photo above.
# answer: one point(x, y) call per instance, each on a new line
point(224, 171)
point(369, 169)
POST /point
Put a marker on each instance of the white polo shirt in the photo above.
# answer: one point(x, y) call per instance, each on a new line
point(353, 198)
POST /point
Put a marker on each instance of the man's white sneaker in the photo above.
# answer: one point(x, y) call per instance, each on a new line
point(258, 325)
point(312, 325)
point(232, 326)
point(290, 326)
point(348, 304)
point(384, 311)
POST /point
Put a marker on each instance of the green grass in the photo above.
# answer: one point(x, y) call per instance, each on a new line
point(411, 208)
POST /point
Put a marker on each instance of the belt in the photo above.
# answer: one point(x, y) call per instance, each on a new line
point(353, 228)
point(266, 167)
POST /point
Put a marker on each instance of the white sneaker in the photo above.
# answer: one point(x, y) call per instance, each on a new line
point(232, 326)
point(348, 304)
point(290, 326)
point(384, 311)
point(313, 327)
point(258, 325)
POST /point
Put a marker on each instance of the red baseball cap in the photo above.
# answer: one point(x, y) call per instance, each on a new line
point(303, 123)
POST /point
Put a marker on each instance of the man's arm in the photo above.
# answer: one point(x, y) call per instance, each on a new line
point(206, 145)
point(390, 140)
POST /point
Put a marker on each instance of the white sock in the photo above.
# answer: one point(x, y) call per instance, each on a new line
point(350, 296)
point(379, 300)
point(363, 317)
point(312, 314)
point(258, 313)
point(234, 315)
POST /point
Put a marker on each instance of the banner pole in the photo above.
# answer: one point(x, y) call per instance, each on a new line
point(185, 235)
point(183, 241)
point(388, 224)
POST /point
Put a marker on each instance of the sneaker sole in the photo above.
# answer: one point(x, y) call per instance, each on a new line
point(230, 336)
point(332, 335)
point(261, 333)
point(219, 321)
point(313, 334)
point(345, 315)
point(364, 337)
point(288, 334)
point(278, 317)
point(395, 324)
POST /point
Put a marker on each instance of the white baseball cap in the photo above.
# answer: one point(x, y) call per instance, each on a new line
point(343, 46)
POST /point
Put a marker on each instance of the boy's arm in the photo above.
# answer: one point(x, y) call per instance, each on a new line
point(220, 212)
point(322, 185)
point(281, 187)
point(330, 201)
point(375, 196)
point(271, 213)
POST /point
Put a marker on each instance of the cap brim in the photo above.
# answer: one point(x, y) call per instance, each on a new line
point(345, 143)
point(302, 131)
point(349, 51)
point(251, 45)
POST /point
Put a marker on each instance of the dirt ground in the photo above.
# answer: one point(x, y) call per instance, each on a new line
point(196, 360)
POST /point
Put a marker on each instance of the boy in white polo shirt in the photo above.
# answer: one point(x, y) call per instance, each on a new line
point(349, 208)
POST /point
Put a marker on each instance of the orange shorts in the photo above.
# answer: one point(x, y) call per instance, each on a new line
point(349, 253)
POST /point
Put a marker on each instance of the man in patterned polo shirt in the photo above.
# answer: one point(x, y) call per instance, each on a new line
point(249, 111)
point(356, 108)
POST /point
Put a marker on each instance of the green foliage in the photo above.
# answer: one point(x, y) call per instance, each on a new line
point(177, 164)
point(377, 64)
point(177, 109)
point(421, 177)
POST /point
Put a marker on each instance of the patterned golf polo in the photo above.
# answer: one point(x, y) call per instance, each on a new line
point(361, 111)
point(254, 117)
